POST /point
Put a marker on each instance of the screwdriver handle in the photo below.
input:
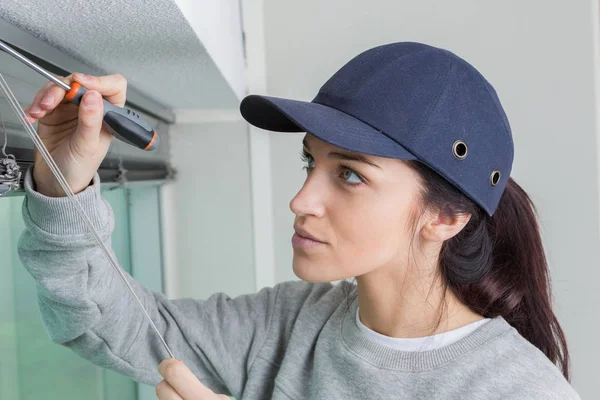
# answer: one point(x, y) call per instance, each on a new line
point(123, 123)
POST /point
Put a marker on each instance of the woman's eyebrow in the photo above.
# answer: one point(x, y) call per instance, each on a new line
point(344, 156)
point(352, 157)
point(305, 144)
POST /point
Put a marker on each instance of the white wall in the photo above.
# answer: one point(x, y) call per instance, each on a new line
point(210, 221)
point(287, 177)
point(537, 54)
point(218, 26)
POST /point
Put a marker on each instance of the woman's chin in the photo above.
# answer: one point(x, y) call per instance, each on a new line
point(313, 272)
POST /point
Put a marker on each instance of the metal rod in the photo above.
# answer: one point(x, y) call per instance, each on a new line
point(33, 65)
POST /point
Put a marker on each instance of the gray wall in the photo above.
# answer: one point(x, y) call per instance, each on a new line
point(537, 54)
point(211, 210)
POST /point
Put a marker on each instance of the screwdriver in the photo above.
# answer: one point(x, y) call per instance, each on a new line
point(123, 123)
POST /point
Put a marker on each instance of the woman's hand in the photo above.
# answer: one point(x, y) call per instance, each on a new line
point(73, 135)
point(181, 384)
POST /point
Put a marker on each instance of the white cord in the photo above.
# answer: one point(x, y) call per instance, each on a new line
point(65, 186)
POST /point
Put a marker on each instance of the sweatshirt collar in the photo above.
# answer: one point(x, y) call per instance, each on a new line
point(386, 357)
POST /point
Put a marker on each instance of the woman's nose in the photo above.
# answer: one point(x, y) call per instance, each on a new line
point(309, 200)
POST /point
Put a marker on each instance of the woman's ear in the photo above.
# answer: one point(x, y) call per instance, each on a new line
point(441, 226)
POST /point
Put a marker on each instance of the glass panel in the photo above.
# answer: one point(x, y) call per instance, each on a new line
point(145, 245)
point(31, 366)
point(117, 386)
point(39, 368)
point(145, 233)
point(9, 385)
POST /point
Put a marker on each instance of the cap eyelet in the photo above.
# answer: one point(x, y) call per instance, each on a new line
point(495, 177)
point(459, 148)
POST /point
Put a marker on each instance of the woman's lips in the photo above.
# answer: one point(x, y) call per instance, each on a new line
point(304, 242)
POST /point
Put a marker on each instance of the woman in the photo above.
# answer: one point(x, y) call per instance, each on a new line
point(408, 190)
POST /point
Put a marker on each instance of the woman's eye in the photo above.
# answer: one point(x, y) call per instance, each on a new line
point(350, 176)
point(308, 160)
point(310, 163)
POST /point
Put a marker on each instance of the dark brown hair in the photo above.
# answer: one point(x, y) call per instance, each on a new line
point(497, 265)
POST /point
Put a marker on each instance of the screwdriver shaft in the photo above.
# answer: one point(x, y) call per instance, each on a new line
point(33, 65)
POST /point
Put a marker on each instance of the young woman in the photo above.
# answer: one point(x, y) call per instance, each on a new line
point(408, 156)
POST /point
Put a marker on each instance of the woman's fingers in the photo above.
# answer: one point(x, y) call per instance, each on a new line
point(52, 97)
point(112, 87)
point(47, 99)
point(35, 109)
point(164, 391)
point(180, 378)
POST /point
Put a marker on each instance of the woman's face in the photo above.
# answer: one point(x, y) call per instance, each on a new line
point(357, 207)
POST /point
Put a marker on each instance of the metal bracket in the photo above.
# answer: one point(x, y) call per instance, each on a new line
point(122, 175)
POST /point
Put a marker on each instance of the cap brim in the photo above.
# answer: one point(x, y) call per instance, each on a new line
point(326, 123)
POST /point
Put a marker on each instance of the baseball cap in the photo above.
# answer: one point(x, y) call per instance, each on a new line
point(409, 101)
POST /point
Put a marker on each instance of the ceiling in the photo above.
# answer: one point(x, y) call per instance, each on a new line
point(149, 42)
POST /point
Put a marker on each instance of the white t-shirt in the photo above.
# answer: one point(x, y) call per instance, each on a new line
point(422, 343)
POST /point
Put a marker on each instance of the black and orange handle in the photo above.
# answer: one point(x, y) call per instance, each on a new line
point(123, 123)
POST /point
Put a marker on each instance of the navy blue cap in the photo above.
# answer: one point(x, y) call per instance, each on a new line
point(408, 101)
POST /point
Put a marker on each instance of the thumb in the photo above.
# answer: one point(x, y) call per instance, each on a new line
point(90, 116)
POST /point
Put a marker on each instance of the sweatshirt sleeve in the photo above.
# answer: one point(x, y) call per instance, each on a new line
point(86, 307)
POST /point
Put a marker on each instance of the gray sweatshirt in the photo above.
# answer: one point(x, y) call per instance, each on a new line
point(296, 340)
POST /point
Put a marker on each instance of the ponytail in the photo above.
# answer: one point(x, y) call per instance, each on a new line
point(497, 265)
